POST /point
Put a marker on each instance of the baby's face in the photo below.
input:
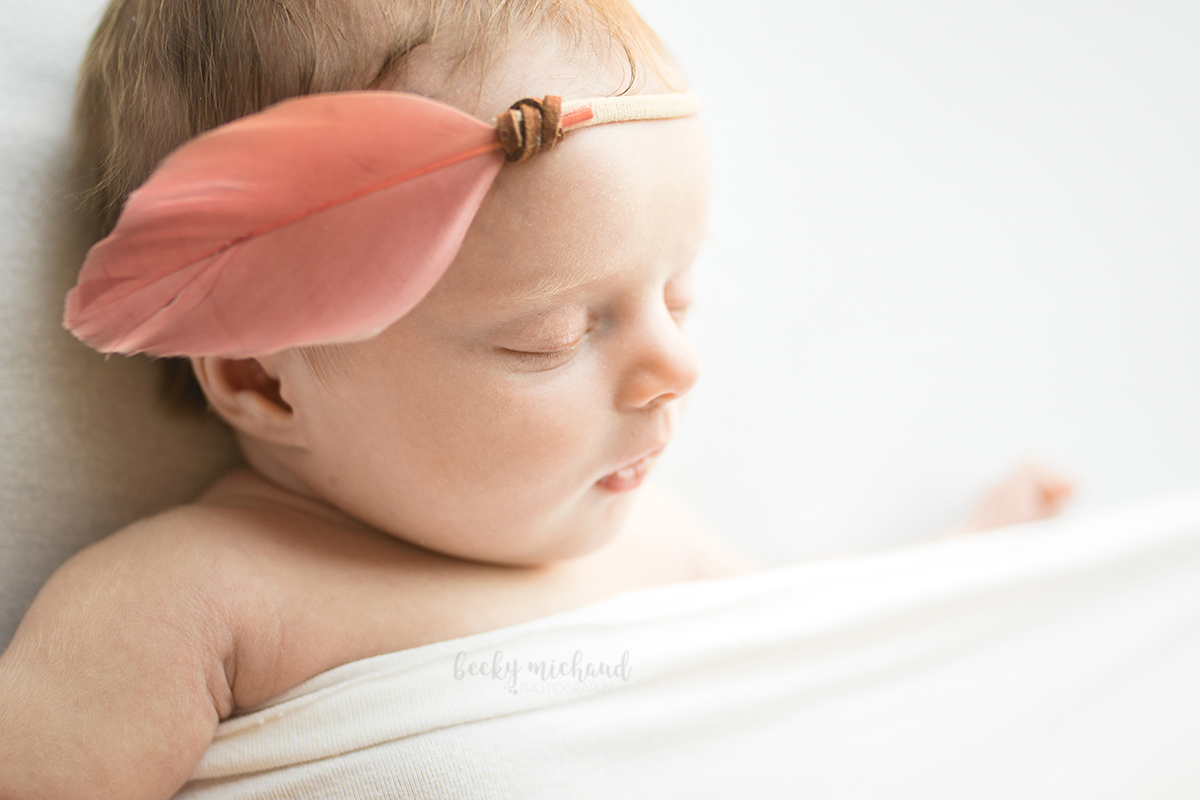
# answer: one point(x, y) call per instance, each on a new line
point(512, 414)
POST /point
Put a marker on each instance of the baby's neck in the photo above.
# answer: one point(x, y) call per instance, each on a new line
point(247, 487)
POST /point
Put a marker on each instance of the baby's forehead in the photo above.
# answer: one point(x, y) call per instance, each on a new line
point(599, 186)
point(608, 205)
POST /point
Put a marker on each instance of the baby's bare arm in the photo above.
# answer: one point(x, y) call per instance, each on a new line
point(119, 673)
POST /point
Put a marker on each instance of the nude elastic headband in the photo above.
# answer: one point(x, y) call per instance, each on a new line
point(321, 219)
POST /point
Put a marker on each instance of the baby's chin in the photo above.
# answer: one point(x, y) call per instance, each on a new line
point(596, 522)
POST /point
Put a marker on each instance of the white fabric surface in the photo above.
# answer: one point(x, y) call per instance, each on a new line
point(1055, 660)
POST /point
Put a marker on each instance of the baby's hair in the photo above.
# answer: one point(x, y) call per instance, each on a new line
point(160, 72)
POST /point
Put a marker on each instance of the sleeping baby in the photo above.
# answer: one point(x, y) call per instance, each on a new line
point(432, 263)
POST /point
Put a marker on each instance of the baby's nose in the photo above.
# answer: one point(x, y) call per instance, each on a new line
point(663, 366)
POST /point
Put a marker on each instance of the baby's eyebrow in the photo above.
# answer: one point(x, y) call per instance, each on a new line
point(547, 287)
point(556, 283)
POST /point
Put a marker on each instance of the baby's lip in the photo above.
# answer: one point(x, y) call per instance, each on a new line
point(631, 474)
point(644, 455)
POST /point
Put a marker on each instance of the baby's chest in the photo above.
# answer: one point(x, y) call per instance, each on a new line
point(327, 611)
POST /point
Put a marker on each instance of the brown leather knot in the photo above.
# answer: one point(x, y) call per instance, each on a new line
point(539, 127)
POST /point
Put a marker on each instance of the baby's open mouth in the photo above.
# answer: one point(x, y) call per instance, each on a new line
point(631, 475)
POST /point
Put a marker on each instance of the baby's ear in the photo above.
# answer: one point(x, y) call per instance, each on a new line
point(246, 393)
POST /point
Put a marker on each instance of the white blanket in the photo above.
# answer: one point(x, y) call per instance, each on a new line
point(1056, 660)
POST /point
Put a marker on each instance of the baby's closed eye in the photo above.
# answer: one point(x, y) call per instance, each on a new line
point(547, 358)
point(679, 295)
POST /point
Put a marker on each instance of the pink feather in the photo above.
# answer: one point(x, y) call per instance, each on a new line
point(321, 219)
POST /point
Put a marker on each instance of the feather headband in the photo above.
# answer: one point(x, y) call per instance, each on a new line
point(321, 219)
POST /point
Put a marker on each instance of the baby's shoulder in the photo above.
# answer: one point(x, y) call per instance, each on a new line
point(131, 646)
point(182, 575)
point(187, 561)
point(186, 552)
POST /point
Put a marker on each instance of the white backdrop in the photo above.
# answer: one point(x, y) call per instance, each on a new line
point(946, 236)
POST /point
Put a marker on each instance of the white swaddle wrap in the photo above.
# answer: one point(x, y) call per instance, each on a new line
point(1055, 660)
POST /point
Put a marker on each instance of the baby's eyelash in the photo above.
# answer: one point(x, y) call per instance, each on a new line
point(543, 359)
point(537, 355)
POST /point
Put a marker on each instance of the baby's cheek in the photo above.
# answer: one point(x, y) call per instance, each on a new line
point(547, 432)
point(488, 441)
point(540, 439)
